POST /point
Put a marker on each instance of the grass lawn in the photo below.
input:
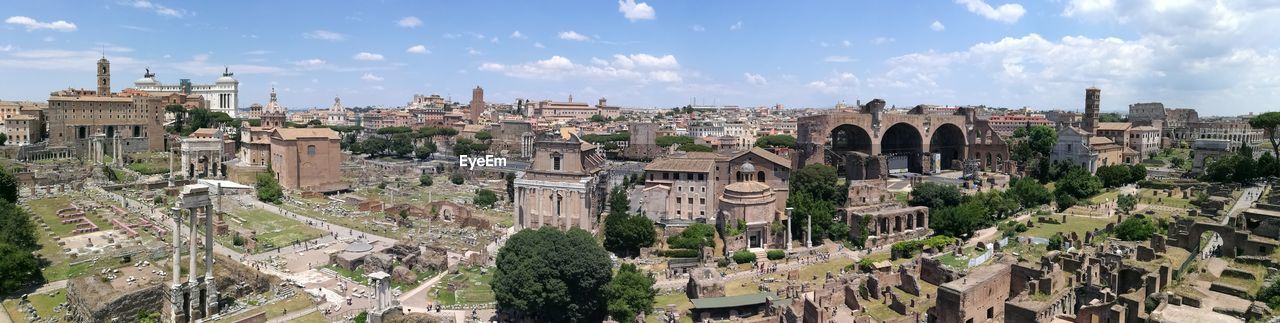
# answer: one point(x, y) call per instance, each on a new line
point(1156, 197)
point(43, 303)
point(1077, 224)
point(47, 209)
point(274, 230)
point(355, 275)
point(298, 302)
point(473, 287)
point(1109, 195)
point(680, 300)
point(314, 317)
point(354, 222)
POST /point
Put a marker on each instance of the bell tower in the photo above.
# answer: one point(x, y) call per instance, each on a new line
point(104, 77)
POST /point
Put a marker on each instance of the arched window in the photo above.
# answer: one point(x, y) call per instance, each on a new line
point(555, 163)
point(760, 176)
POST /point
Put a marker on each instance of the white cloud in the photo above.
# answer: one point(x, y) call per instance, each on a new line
point(451, 35)
point(494, 40)
point(409, 22)
point(823, 44)
point(538, 45)
point(367, 56)
point(199, 65)
point(937, 26)
point(310, 63)
point(418, 49)
point(474, 52)
point(324, 35)
point(882, 40)
point(642, 68)
point(755, 79)
point(370, 77)
point(635, 11)
point(1006, 13)
point(6, 48)
point(258, 52)
point(32, 24)
point(837, 59)
point(157, 8)
point(839, 83)
point(736, 26)
point(1087, 7)
point(573, 35)
point(518, 35)
point(846, 43)
point(698, 28)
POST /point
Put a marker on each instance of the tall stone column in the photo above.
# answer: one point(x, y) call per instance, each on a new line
point(177, 243)
point(186, 163)
point(210, 289)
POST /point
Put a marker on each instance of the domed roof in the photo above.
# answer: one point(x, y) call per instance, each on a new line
point(747, 187)
point(359, 246)
point(747, 168)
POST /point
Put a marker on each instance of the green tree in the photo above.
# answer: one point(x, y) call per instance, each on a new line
point(8, 185)
point(3, 138)
point(599, 119)
point(179, 117)
point(314, 123)
point(1065, 201)
point(484, 136)
point(1268, 166)
point(959, 221)
point(401, 145)
point(667, 141)
point(935, 195)
point(16, 228)
point(624, 233)
point(1079, 184)
point(393, 130)
point(815, 195)
point(1033, 141)
point(425, 180)
point(1114, 175)
point(630, 293)
point(464, 146)
point(18, 268)
point(549, 275)
point(1137, 172)
point(485, 198)
point(696, 236)
point(696, 148)
point(511, 186)
point(456, 179)
point(1269, 123)
point(268, 188)
point(1135, 228)
point(425, 150)
point(1029, 193)
point(776, 141)
point(1126, 202)
point(1110, 117)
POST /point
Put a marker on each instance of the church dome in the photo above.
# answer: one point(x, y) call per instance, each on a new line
point(747, 168)
point(145, 81)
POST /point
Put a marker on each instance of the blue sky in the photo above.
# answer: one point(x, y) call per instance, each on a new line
point(1215, 56)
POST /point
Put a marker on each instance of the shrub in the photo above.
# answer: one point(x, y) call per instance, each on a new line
point(425, 180)
point(722, 262)
point(744, 256)
point(866, 265)
point(906, 249)
point(1135, 228)
point(776, 254)
point(237, 241)
point(1155, 185)
point(456, 179)
point(680, 253)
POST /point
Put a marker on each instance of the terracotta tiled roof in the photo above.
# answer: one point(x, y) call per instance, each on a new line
point(1114, 125)
point(681, 165)
point(295, 133)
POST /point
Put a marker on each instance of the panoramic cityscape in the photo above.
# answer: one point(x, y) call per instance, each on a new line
point(640, 161)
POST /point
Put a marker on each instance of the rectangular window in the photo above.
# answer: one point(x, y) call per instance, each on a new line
point(678, 200)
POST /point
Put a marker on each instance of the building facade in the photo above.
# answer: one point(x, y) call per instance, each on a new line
point(563, 186)
point(221, 96)
point(307, 159)
point(74, 116)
